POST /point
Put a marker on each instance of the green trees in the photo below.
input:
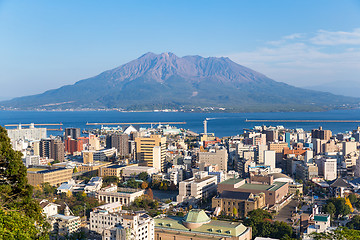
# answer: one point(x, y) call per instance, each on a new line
point(110, 179)
point(262, 225)
point(338, 234)
point(354, 223)
point(341, 208)
point(18, 211)
point(330, 208)
point(143, 176)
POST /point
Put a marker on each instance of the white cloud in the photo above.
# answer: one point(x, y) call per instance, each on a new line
point(300, 60)
point(336, 38)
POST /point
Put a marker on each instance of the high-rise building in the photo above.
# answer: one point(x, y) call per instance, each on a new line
point(218, 157)
point(321, 134)
point(271, 135)
point(72, 145)
point(52, 148)
point(120, 142)
point(201, 186)
point(150, 151)
point(349, 147)
point(288, 138)
point(94, 143)
point(74, 133)
point(329, 169)
point(269, 158)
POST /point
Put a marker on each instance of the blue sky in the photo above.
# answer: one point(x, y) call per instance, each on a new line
point(47, 44)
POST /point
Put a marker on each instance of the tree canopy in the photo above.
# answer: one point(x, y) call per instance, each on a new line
point(340, 233)
point(337, 207)
point(263, 226)
point(18, 210)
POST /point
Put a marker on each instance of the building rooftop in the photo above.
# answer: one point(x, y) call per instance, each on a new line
point(232, 181)
point(42, 170)
point(61, 216)
point(263, 187)
point(196, 216)
point(35, 169)
point(321, 218)
point(214, 227)
point(199, 179)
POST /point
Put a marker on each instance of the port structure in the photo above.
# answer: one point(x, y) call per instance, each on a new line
point(137, 123)
point(312, 120)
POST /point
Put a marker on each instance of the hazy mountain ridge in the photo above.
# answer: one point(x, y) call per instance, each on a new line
point(164, 80)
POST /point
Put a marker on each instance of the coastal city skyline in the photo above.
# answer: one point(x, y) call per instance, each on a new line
point(180, 120)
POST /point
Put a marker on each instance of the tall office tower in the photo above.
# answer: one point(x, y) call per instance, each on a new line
point(53, 149)
point(271, 135)
point(321, 134)
point(74, 133)
point(269, 158)
point(120, 142)
point(94, 142)
point(72, 145)
point(150, 151)
point(287, 138)
point(59, 150)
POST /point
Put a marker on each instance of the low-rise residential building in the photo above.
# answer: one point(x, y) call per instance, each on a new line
point(64, 224)
point(200, 186)
point(318, 224)
point(49, 208)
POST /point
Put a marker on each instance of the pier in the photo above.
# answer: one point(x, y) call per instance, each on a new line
point(300, 121)
point(137, 123)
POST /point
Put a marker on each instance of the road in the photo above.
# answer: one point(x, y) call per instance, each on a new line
point(285, 213)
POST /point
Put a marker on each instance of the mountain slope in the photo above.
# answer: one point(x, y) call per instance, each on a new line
point(156, 81)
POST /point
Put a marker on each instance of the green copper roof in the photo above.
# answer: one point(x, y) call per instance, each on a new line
point(321, 218)
point(211, 229)
point(196, 216)
point(231, 181)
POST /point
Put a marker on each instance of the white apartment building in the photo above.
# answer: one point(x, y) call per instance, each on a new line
point(200, 186)
point(329, 169)
point(64, 224)
point(176, 173)
point(29, 134)
point(123, 195)
point(36, 160)
point(129, 226)
point(104, 154)
point(269, 158)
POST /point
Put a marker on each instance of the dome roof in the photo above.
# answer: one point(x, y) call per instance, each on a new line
point(195, 218)
point(280, 177)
